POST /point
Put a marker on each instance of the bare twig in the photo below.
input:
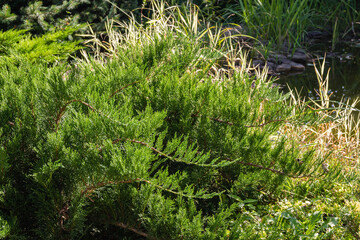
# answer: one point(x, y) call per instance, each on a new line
point(269, 169)
point(207, 165)
point(159, 152)
point(130, 84)
point(266, 123)
point(134, 230)
point(89, 189)
point(32, 111)
point(222, 121)
point(247, 126)
point(63, 108)
point(64, 216)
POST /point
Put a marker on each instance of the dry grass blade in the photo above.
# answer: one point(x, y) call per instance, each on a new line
point(339, 129)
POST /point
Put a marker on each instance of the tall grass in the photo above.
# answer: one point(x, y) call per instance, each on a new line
point(284, 23)
point(278, 21)
point(342, 13)
point(338, 130)
point(164, 21)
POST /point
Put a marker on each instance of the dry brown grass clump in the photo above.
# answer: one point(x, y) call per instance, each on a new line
point(336, 135)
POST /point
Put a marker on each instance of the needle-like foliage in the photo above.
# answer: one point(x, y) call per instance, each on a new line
point(142, 140)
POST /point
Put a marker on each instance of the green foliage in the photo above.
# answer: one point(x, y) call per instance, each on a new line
point(284, 24)
point(277, 21)
point(150, 143)
point(342, 17)
point(6, 17)
point(42, 16)
point(50, 47)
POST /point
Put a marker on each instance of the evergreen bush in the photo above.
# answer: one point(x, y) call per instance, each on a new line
point(50, 47)
point(42, 16)
point(145, 140)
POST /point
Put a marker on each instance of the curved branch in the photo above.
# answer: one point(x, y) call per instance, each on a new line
point(91, 188)
point(130, 84)
point(247, 126)
point(269, 169)
point(134, 230)
point(63, 108)
point(160, 152)
point(208, 165)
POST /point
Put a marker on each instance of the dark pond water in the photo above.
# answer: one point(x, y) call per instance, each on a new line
point(344, 63)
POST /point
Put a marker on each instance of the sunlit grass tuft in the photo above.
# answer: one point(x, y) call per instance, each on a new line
point(338, 129)
point(165, 22)
point(278, 21)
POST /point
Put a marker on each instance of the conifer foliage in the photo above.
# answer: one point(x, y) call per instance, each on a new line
point(50, 47)
point(146, 142)
point(43, 16)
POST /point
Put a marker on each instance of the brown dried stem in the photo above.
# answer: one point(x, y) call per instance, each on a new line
point(63, 108)
point(89, 189)
point(134, 230)
point(247, 126)
point(270, 169)
point(179, 160)
point(158, 152)
point(130, 84)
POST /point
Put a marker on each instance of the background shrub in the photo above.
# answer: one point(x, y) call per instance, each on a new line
point(50, 47)
point(42, 16)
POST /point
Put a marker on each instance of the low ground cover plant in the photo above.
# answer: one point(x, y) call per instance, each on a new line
point(50, 47)
point(148, 136)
